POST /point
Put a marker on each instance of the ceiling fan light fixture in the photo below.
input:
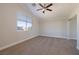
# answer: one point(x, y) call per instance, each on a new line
point(45, 7)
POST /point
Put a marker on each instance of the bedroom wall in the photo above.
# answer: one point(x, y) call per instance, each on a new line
point(8, 33)
point(53, 28)
point(59, 28)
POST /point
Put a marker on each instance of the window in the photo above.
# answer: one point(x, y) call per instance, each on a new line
point(21, 25)
point(24, 23)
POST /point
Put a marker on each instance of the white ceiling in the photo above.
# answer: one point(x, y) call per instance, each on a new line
point(60, 10)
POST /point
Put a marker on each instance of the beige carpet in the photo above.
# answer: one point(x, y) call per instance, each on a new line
point(43, 46)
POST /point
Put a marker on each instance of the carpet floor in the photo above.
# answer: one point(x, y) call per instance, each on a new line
point(42, 45)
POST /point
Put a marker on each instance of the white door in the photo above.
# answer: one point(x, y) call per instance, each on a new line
point(72, 27)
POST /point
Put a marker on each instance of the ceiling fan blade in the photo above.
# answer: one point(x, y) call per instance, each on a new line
point(49, 5)
point(41, 5)
point(39, 9)
point(49, 9)
point(44, 4)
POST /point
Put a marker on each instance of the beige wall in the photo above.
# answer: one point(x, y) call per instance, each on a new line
point(53, 28)
point(8, 33)
point(1, 26)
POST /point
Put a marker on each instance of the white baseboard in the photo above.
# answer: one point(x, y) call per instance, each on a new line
point(7, 46)
point(54, 36)
point(59, 37)
point(72, 38)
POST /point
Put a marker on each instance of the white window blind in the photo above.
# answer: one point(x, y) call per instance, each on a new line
point(24, 23)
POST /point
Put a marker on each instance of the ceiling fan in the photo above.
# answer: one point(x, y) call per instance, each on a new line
point(45, 7)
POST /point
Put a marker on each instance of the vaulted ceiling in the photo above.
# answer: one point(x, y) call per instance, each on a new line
point(59, 10)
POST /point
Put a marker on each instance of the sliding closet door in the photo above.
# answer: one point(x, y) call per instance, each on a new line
point(72, 27)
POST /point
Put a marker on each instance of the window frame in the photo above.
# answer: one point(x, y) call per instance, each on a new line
point(25, 19)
